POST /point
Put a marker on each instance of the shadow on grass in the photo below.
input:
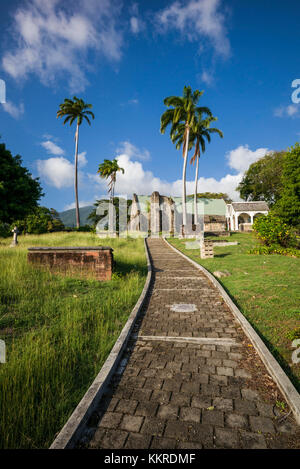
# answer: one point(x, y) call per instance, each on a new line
point(276, 354)
point(225, 254)
point(122, 268)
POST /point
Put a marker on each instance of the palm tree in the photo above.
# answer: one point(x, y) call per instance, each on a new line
point(199, 132)
point(108, 170)
point(182, 112)
point(78, 110)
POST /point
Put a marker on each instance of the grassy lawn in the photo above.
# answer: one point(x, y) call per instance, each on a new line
point(58, 332)
point(266, 290)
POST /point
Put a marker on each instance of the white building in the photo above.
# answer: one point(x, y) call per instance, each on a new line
point(241, 215)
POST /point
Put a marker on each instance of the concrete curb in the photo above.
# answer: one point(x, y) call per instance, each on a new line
point(286, 387)
point(73, 429)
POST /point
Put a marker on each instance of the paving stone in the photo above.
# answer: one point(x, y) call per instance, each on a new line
point(216, 379)
point(231, 392)
point(111, 420)
point(127, 406)
point(153, 383)
point(224, 371)
point(190, 414)
point(141, 394)
point(236, 421)
point(138, 441)
point(131, 423)
point(226, 438)
point(163, 443)
point(249, 394)
point(161, 397)
point(114, 439)
point(213, 417)
point(262, 424)
point(171, 385)
point(189, 445)
point(191, 387)
point(241, 373)
point(210, 390)
point(230, 363)
point(221, 403)
point(153, 426)
point(201, 433)
point(180, 399)
point(235, 356)
point(201, 402)
point(146, 408)
point(265, 410)
point(242, 406)
point(168, 412)
point(252, 441)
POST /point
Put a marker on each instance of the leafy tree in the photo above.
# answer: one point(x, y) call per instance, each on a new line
point(288, 205)
point(41, 220)
point(19, 191)
point(78, 110)
point(182, 113)
point(213, 195)
point(263, 179)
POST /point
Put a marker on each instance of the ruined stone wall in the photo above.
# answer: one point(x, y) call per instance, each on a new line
point(98, 260)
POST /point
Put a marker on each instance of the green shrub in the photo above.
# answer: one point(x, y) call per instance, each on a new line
point(272, 231)
point(5, 230)
point(275, 249)
point(41, 220)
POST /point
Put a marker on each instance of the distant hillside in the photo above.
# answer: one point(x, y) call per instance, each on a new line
point(68, 217)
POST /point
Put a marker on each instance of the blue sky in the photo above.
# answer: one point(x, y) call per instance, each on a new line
point(124, 58)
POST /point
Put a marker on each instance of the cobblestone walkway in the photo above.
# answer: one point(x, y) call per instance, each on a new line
point(189, 378)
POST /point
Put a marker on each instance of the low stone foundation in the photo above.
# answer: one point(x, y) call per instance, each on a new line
point(97, 260)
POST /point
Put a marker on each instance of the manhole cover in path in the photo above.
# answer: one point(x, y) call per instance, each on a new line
point(183, 308)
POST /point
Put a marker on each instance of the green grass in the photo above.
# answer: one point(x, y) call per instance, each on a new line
point(266, 290)
point(58, 332)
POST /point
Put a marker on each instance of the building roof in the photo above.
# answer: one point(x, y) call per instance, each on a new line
point(258, 206)
point(205, 206)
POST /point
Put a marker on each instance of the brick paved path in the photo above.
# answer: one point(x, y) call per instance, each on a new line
point(187, 393)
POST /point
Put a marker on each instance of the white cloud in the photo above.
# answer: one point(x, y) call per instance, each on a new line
point(207, 77)
point(57, 172)
point(241, 157)
point(136, 25)
point(15, 111)
point(52, 148)
point(287, 111)
point(138, 180)
point(195, 20)
point(82, 203)
point(133, 152)
point(53, 38)
point(82, 160)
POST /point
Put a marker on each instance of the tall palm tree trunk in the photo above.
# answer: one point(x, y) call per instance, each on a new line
point(76, 177)
point(195, 194)
point(184, 179)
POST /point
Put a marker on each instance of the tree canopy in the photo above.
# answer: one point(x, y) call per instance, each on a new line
point(19, 191)
point(263, 179)
point(288, 205)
